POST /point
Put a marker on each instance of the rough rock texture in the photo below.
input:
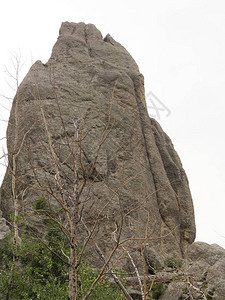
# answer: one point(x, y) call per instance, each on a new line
point(175, 291)
point(201, 274)
point(4, 229)
point(208, 265)
point(94, 83)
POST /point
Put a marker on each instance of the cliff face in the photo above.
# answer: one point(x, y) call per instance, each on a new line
point(85, 108)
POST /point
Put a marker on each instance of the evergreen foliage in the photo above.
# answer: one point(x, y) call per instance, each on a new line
point(36, 269)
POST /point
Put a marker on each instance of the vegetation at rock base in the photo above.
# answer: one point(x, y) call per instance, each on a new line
point(29, 270)
point(157, 290)
point(173, 262)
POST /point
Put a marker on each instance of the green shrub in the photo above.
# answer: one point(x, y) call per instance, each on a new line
point(173, 262)
point(30, 271)
point(157, 290)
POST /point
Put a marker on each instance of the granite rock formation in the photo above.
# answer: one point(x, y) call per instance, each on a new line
point(93, 83)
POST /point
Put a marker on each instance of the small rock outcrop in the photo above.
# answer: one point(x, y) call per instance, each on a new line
point(200, 275)
point(208, 267)
point(88, 101)
point(4, 229)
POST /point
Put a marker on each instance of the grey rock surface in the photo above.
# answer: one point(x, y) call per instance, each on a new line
point(175, 291)
point(208, 265)
point(4, 229)
point(94, 83)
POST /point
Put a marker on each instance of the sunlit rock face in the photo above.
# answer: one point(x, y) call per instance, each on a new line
point(85, 108)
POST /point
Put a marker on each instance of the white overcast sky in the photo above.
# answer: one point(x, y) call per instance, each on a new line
point(179, 46)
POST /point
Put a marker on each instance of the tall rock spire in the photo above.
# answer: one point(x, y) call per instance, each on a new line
point(85, 109)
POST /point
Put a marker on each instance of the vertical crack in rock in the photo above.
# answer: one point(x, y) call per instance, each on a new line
point(87, 42)
point(148, 140)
